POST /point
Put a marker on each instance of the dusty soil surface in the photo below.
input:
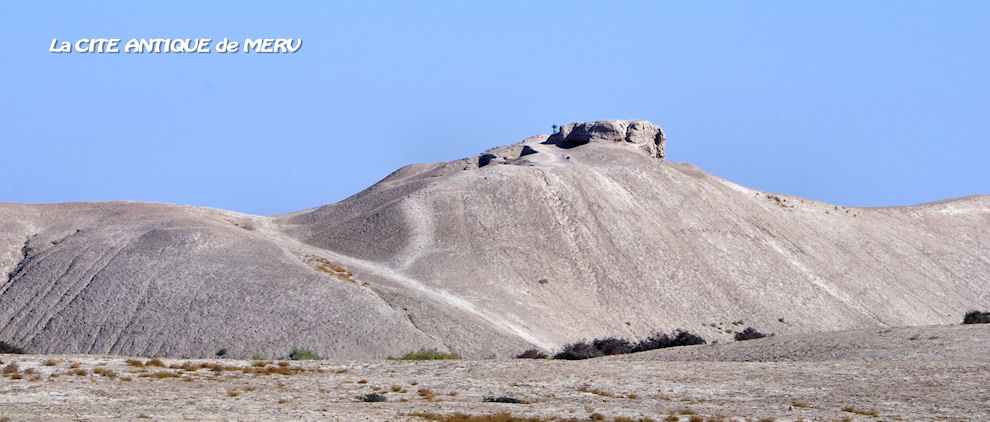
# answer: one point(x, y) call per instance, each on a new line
point(909, 380)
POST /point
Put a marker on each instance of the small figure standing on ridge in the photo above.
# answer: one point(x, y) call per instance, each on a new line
point(555, 128)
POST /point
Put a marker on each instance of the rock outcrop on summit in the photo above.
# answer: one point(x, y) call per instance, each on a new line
point(586, 233)
point(639, 132)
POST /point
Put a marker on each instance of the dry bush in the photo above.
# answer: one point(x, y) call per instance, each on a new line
point(976, 317)
point(579, 350)
point(661, 341)
point(11, 368)
point(50, 362)
point(503, 399)
point(532, 354)
point(613, 346)
point(10, 348)
point(155, 362)
point(372, 398)
point(749, 333)
point(134, 362)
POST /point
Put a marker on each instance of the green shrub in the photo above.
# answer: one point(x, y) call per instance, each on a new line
point(259, 356)
point(299, 353)
point(976, 317)
point(427, 354)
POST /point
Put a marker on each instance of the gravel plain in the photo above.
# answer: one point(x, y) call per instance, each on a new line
point(910, 374)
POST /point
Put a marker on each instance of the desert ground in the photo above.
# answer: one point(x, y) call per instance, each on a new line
point(910, 373)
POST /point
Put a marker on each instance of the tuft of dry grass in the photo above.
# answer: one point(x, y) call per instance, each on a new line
point(50, 362)
point(233, 393)
point(426, 394)
point(155, 362)
point(106, 372)
point(327, 266)
point(586, 389)
point(161, 374)
point(11, 368)
point(597, 417)
point(851, 409)
point(801, 405)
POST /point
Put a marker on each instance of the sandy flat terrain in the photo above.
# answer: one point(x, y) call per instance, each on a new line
point(868, 386)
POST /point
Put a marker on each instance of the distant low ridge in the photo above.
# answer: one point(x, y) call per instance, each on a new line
point(581, 234)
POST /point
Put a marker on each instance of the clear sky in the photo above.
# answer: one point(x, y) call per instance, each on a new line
point(853, 103)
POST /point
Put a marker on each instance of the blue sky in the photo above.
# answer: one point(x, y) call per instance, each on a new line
point(853, 103)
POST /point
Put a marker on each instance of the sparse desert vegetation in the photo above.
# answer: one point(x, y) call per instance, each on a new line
point(631, 387)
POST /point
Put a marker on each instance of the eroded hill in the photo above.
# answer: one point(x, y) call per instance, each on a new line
point(585, 234)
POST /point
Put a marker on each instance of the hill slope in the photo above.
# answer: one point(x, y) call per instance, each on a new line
point(585, 234)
